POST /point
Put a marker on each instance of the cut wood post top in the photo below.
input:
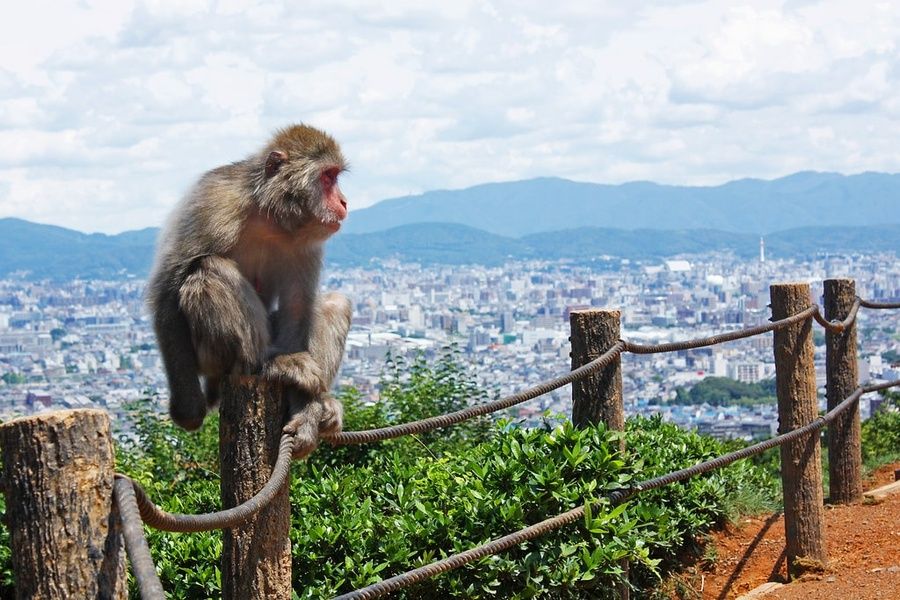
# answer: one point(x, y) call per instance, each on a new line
point(55, 416)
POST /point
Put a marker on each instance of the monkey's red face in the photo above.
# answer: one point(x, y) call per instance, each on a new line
point(335, 203)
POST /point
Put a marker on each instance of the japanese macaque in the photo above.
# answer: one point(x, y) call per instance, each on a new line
point(234, 288)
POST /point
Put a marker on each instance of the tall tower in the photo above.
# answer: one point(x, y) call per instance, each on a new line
point(762, 250)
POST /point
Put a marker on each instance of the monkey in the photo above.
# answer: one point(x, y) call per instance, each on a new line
point(233, 290)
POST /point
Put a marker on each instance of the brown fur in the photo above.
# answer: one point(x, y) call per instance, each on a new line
point(234, 288)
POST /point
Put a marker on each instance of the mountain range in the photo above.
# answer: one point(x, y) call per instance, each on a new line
point(802, 214)
point(760, 207)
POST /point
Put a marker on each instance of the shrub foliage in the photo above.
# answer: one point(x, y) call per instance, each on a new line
point(881, 433)
point(364, 513)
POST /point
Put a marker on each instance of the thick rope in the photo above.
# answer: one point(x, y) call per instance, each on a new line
point(423, 425)
point(135, 542)
point(839, 326)
point(440, 421)
point(722, 337)
point(132, 498)
point(871, 304)
point(156, 517)
point(455, 561)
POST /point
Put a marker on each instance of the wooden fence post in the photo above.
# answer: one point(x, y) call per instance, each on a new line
point(256, 558)
point(844, 448)
point(801, 466)
point(65, 537)
point(598, 397)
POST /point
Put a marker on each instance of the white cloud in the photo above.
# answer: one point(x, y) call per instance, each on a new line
point(109, 109)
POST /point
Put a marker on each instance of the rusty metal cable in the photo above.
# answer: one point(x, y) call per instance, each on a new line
point(455, 561)
point(875, 387)
point(871, 304)
point(838, 326)
point(156, 517)
point(160, 519)
point(135, 543)
point(437, 422)
point(132, 498)
point(421, 426)
point(722, 337)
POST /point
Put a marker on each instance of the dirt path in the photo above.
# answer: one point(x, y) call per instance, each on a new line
point(863, 542)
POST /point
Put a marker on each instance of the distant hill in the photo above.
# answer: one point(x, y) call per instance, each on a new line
point(46, 251)
point(428, 243)
point(59, 253)
point(755, 206)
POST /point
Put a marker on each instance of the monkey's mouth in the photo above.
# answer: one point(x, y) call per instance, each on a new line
point(327, 223)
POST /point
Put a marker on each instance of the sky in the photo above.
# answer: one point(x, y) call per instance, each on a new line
point(111, 109)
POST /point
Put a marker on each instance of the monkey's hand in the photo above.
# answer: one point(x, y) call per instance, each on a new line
point(299, 370)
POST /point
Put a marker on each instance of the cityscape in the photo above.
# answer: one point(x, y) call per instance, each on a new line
point(89, 343)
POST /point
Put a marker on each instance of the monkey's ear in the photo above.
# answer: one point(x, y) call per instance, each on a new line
point(274, 161)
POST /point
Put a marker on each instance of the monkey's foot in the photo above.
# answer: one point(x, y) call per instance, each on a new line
point(304, 427)
point(303, 447)
point(187, 413)
point(299, 370)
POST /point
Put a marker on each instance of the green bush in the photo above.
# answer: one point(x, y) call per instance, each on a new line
point(412, 389)
point(404, 506)
point(7, 584)
point(364, 513)
point(353, 526)
point(881, 433)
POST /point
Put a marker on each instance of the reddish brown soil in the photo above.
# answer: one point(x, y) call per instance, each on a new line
point(863, 542)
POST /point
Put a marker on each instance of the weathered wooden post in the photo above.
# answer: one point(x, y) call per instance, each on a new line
point(801, 466)
point(842, 378)
point(256, 558)
point(65, 538)
point(598, 397)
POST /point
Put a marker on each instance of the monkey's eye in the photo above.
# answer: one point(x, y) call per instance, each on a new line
point(329, 176)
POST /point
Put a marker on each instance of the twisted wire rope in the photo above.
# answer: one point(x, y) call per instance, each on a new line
point(455, 561)
point(135, 543)
point(136, 506)
point(877, 305)
point(839, 326)
point(156, 517)
point(431, 423)
point(160, 519)
point(721, 337)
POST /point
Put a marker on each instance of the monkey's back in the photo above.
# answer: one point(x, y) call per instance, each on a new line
point(206, 221)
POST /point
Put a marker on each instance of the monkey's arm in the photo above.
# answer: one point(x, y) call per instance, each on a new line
point(330, 326)
point(314, 413)
point(290, 360)
point(187, 405)
point(309, 347)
